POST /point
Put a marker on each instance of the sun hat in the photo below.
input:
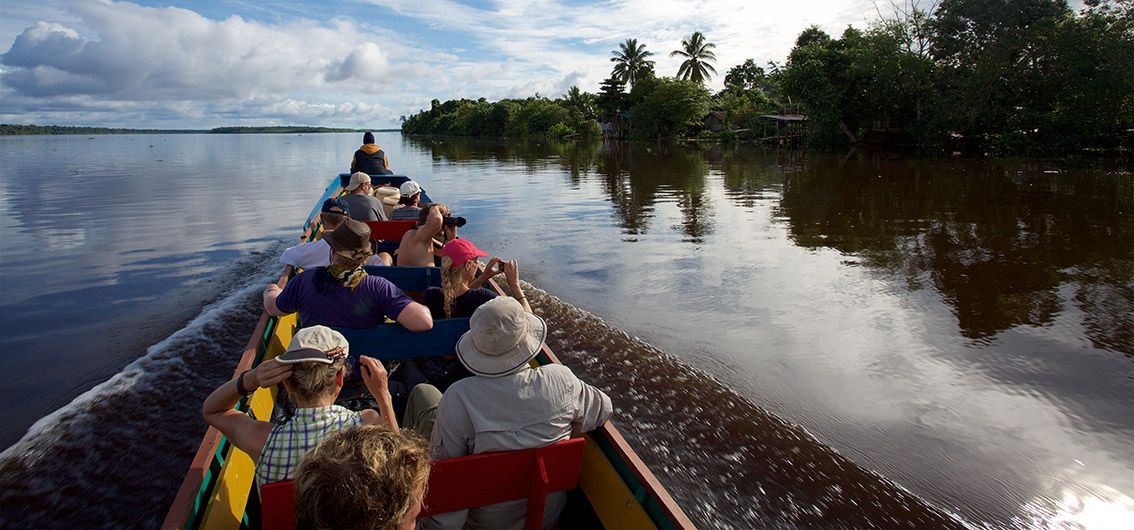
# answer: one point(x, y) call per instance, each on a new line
point(351, 240)
point(389, 195)
point(357, 179)
point(410, 188)
point(316, 344)
point(502, 338)
point(328, 204)
point(461, 250)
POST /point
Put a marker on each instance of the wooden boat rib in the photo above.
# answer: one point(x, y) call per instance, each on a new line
point(218, 492)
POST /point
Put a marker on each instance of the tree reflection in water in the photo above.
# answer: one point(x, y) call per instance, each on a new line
point(996, 239)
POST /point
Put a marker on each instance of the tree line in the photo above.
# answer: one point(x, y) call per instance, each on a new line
point(1006, 75)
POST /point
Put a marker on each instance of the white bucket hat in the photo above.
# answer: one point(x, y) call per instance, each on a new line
point(316, 344)
point(501, 339)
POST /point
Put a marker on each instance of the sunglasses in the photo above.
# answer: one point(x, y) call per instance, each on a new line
point(336, 212)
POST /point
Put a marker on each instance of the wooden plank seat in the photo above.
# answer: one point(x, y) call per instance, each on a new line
point(469, 482)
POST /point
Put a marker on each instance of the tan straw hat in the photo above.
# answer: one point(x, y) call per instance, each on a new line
point(502, 338)
point(388, 195)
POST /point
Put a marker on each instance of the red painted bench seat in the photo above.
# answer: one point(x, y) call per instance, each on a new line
point(468, 482)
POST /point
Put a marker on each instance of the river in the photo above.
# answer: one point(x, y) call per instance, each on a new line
point(790, 338)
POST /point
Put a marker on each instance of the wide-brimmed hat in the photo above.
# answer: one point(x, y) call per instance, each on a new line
point(351, 240)
point(388, 195)
point(316, 344)
point(461, 251)
point(410, 188)
point(502, 338)
point(357, 179)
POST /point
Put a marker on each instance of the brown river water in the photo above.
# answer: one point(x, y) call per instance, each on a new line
point(790, 339)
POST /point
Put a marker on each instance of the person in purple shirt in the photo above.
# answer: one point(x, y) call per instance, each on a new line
point(342, 294)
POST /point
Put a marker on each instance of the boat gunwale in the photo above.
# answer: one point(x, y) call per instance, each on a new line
point(184, 501)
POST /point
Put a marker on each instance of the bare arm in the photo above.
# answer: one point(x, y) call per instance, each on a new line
point(219, 408)
point(512, 274)
point(490, 270)
point(375, 377)
point(432, 225)
point(416, 317)
point(270, 294)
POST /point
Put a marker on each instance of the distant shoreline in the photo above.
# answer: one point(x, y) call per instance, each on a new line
point(8, 129)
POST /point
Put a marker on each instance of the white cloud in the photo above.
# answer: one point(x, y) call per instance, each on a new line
point(170, 53)
point(121, 60)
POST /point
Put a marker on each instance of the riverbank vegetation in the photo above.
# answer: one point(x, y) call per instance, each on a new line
point(981, 75)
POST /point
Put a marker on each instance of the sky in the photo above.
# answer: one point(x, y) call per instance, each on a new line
point(357, 64)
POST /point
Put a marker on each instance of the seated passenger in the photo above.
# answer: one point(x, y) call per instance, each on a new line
point(410, 209)
point(360, 205)
point(363, 477)
point(312, 371)
point(343, 294)
point(509, 405)
point(417, 246)
point(370, 158)
point(318, 253)
point(461, 290)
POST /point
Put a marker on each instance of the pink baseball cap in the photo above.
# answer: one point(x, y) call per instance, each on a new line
point(461, 251)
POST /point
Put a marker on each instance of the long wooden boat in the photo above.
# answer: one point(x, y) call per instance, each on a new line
point(615, 488)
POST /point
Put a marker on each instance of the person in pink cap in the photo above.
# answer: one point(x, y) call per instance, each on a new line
point(460, 294)
point(461, 289)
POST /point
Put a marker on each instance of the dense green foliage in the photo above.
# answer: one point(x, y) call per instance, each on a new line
point(1008, 75)
point(664, 107)
point(534, 116)
point(1000, 74)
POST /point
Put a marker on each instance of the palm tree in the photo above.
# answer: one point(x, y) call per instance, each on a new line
point(630, 61)
point(697, 55)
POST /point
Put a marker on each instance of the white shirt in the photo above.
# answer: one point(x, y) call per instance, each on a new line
point(314, 254)
point(532, 408)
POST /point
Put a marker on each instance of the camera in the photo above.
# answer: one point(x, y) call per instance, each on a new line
point(454, 221)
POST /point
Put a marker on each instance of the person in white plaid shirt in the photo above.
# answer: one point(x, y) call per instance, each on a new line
point(312, 371)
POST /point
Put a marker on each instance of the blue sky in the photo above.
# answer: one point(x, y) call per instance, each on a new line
point(355, 63)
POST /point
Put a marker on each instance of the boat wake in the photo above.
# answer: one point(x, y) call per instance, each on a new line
point(128, 441)
point(115, 456)
point(726, 461)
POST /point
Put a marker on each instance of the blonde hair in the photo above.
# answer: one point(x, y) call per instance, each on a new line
point(311, 381)
point(450, 278)
point(361, 477)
